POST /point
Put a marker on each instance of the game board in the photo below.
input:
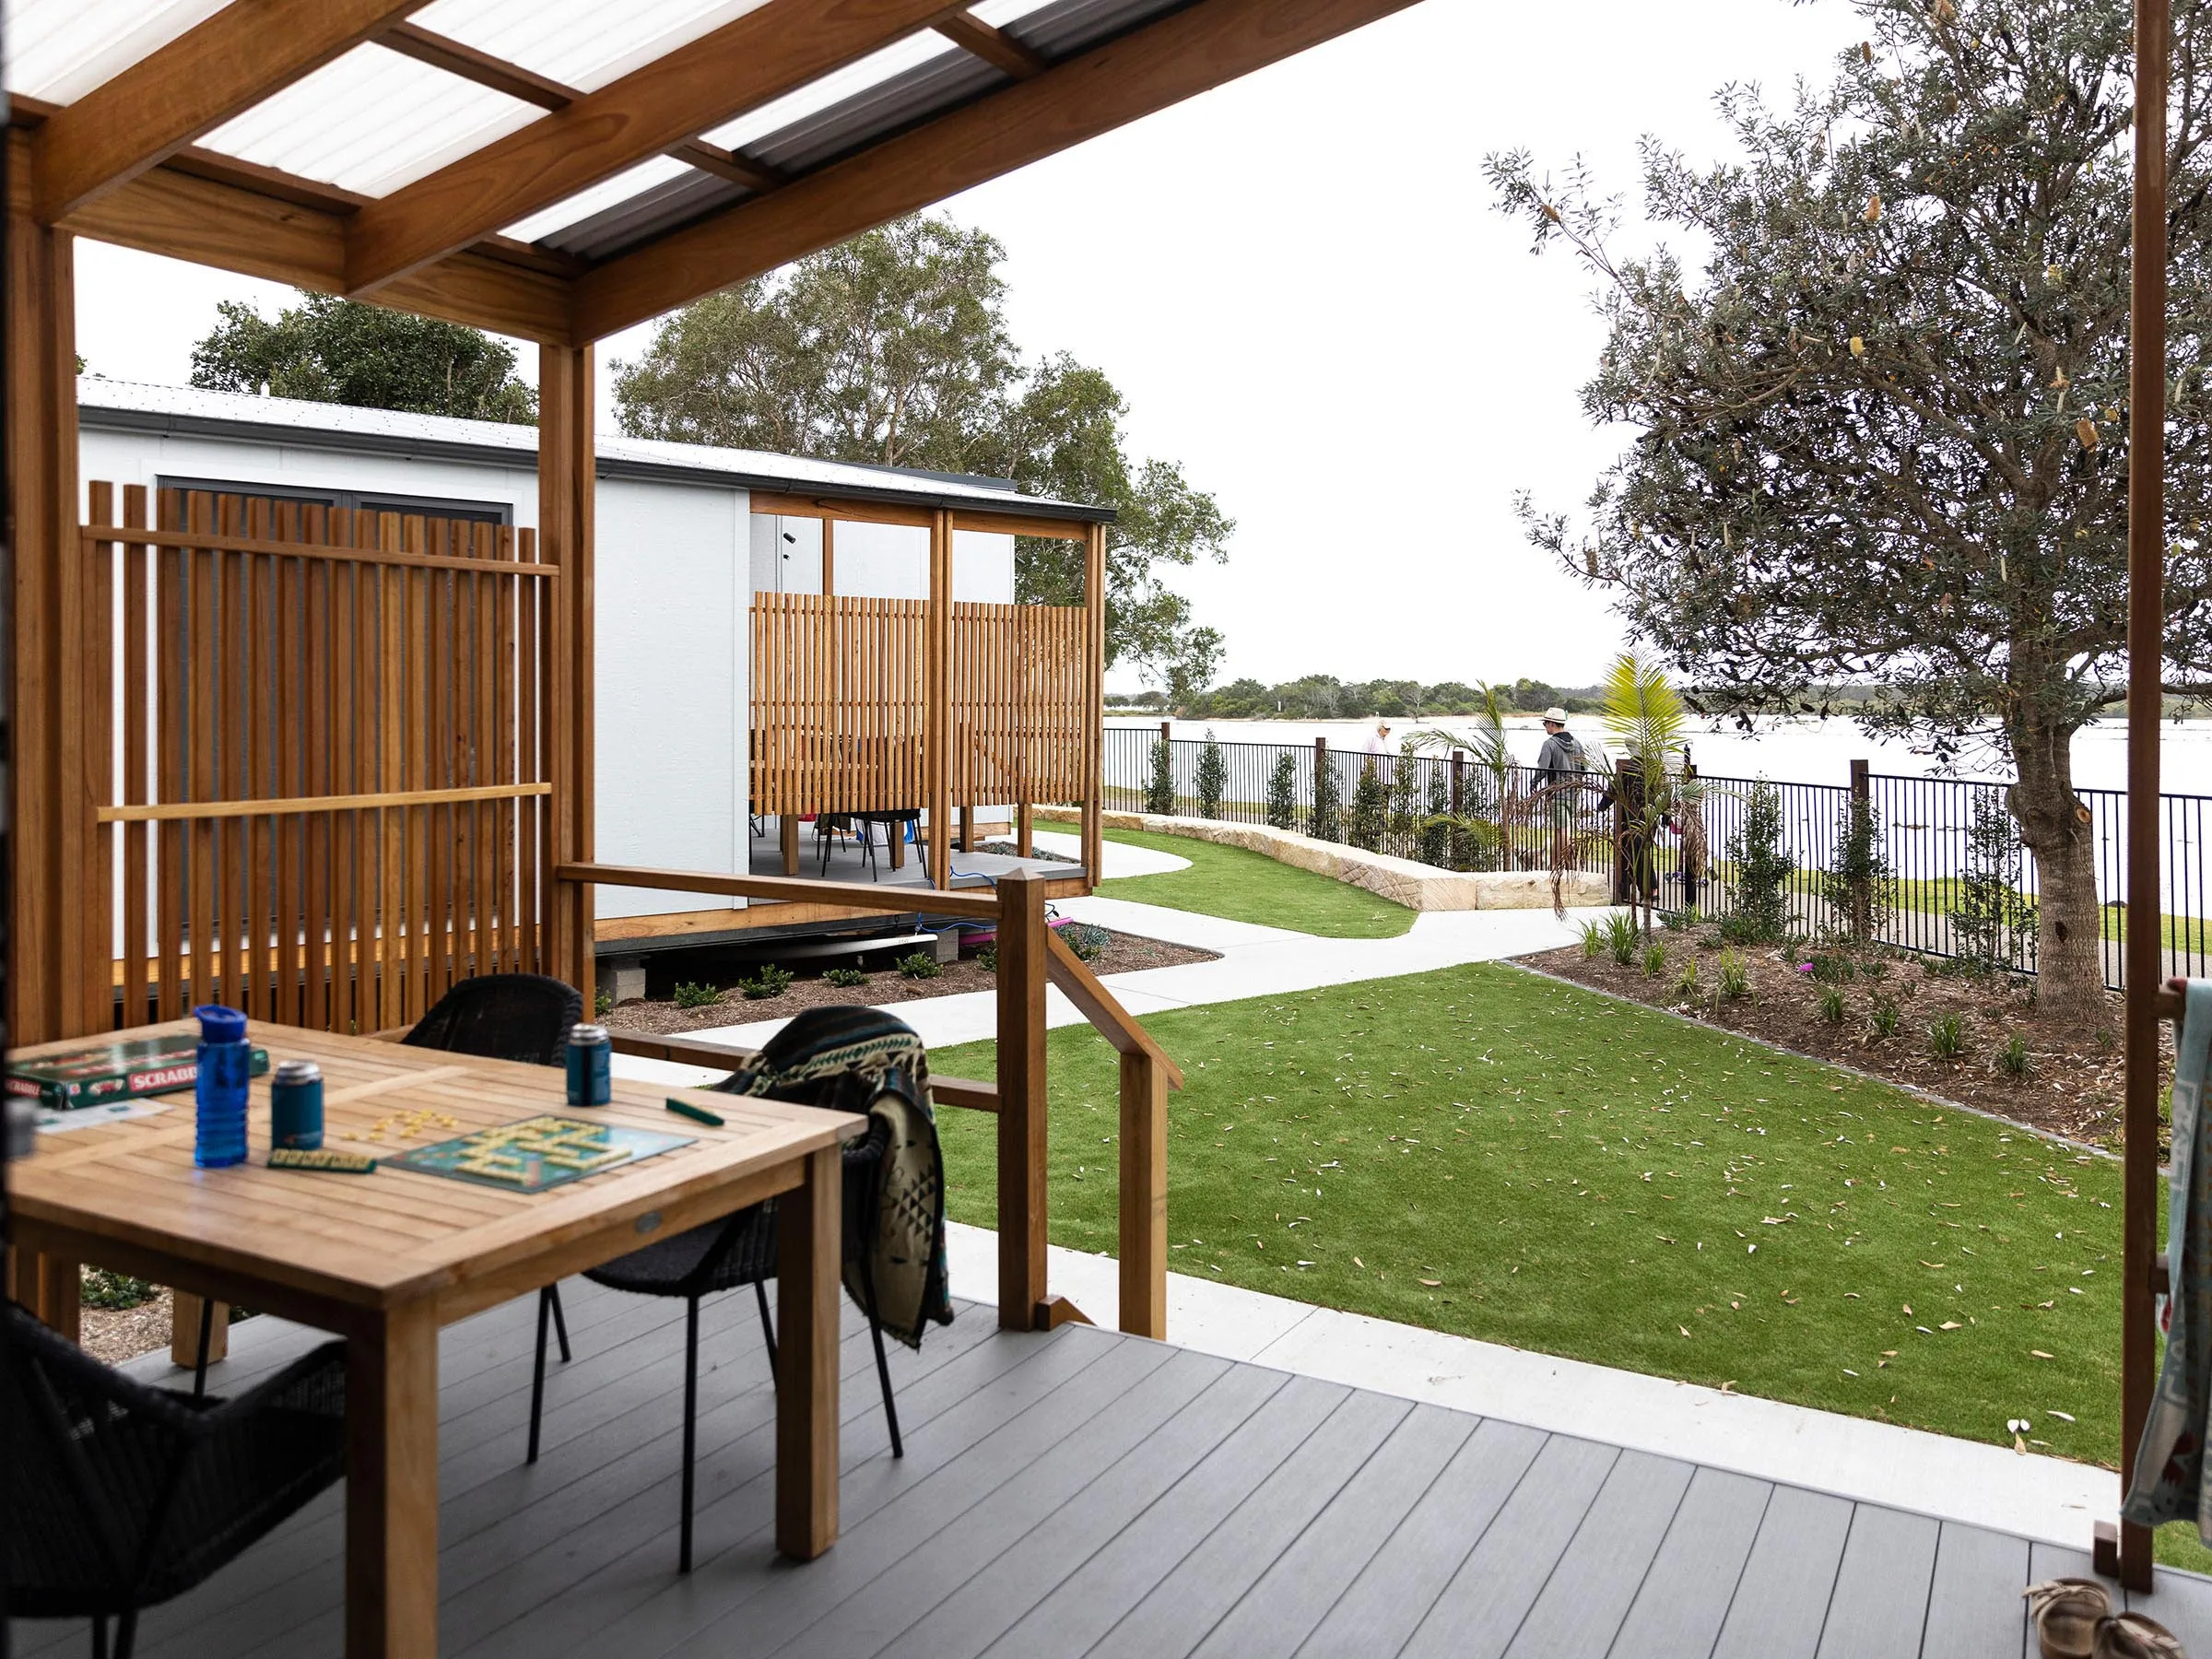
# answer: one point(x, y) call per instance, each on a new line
point(534, 1153)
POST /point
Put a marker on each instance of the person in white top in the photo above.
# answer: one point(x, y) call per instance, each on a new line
point(1379, 745)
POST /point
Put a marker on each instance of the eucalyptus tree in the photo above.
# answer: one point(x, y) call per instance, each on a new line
point(1880, 423)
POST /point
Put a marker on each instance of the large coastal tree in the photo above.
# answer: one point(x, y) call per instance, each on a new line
point(893, 348)
point(1880, 421)
point(331, 351)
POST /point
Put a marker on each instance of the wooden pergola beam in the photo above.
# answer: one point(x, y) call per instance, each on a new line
point(772, 51)
point(1188, 53)
point(994, 46)
point(215, 70)
point(214, 222)
point(457, 57)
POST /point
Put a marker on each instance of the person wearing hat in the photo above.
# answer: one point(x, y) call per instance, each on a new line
point(1558, 763)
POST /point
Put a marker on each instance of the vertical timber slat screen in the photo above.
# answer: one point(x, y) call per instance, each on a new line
point(323, 785)
point(837, 705)
point(1017, 702)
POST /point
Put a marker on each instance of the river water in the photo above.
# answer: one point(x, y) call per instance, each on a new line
point(1785, 749)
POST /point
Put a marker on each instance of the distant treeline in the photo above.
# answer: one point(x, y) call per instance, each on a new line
point(1325, 697)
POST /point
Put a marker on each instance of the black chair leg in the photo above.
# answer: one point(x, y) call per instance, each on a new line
point(883, 1367)
point(126, 1633)
point(560, 1321)
point(546, 1304)
point(99, 1636)
point(199, 1368)
point(768, 1326)
point(690, 1415)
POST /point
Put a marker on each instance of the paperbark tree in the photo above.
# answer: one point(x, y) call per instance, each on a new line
point(1881, 431)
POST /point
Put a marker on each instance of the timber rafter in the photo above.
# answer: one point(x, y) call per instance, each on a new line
point(434, 246)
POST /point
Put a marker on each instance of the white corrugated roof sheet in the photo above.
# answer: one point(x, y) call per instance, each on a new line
point(296, 420)
point(374, 119)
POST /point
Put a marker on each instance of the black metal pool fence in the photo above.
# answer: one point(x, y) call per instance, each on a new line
point(1958, 881)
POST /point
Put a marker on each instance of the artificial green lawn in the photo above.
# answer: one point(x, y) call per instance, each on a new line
point(1584, 1177)
point(1250, 887)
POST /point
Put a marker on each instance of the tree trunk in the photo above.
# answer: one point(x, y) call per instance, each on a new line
point(2055, 825)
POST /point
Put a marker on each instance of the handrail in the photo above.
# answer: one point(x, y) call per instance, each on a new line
point(1113, 1022)
point(689, 1051)
point(1031, 957)
point(935, 901)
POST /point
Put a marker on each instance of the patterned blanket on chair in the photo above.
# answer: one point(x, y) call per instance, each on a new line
point(863, 1060)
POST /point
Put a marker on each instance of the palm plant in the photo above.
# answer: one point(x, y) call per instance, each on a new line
point(1474, 834)
point(1646, 719)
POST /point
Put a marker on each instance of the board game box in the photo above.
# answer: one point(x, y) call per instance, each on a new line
point(534, 1153)
point(102, 1072)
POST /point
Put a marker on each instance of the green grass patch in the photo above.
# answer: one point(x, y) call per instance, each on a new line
point(1484, 1151)
point(1250, 887)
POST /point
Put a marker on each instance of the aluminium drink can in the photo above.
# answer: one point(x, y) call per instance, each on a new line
point(591, 1066)
point(296, 1106)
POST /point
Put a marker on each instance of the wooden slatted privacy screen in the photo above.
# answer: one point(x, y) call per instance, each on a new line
point(325, 794)
point(1019, 679)
point(838, 712)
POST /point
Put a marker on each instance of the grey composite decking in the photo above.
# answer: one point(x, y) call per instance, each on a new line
point(1085, 1493)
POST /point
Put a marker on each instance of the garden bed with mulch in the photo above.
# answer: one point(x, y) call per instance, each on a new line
point(1125, 953)
point(2070, 1087)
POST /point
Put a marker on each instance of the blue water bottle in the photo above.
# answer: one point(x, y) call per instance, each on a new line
point(226, 1068)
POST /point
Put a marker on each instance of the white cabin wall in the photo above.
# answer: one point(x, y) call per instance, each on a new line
point(673, 587)
point(983, 568)
point(144, 458)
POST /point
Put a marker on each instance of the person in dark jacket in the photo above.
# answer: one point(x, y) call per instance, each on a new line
point(1559, 763)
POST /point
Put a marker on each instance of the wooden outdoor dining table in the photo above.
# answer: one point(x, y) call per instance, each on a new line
point(388, 1258)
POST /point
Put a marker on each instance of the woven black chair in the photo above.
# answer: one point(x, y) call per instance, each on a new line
point(124, 1495)
point(523, 1017)
point(829, 826)
point(741, 1250)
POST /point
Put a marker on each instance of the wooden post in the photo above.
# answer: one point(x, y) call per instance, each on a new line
point(184, 1329)
point(392, 1484)
point(1025, 830)
point(967, 840)
point(808, 1229)
point(1143, 1197)
point(936, 692)
point(828, 555)
point(1622, 891)
point(787, 840)
point(50, 985)
point(1094, 700)
point(2128, 1550)
point(1021, 1101)
point(566, 464)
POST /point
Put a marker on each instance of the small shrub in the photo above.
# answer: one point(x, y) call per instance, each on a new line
point(845, 977)
point(1654, 959)
point(1992, 924)
point(1282, 793)
point(1946, 1036)
point(920, 965)
point(697, 996)
point(1858, 883)
point(603, 1003)
point(1875, 969)
point(1737, 928)
point(1370, 804)
point(1832, 1004)
point(1160, 783)
point(1593, 940)
point(1735, 976)
point(1436, 824)
point(1763, 867)
point(102, 1288)
point(1679, 921)
point(1623, 938)
point(1213, 777)
point(2014, 1060)
point(1881, 1019)
point(1327, 822)
point(1688, 987)
point(1087, 942)
point(1833, 968)
point(987, 958)
point(770, 981)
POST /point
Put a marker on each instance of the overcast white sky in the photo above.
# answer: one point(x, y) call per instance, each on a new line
point(1298, 283)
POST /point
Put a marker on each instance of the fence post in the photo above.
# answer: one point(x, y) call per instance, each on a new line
point(1621, 894)
point(1022, 1103)
point(1025, 831)
point(1143, 1197)
point(1167, 728)
point(1862, 894)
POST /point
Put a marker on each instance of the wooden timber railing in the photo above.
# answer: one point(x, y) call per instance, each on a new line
point(1029, 956)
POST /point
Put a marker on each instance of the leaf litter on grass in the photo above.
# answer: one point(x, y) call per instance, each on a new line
point(1488, 1137)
